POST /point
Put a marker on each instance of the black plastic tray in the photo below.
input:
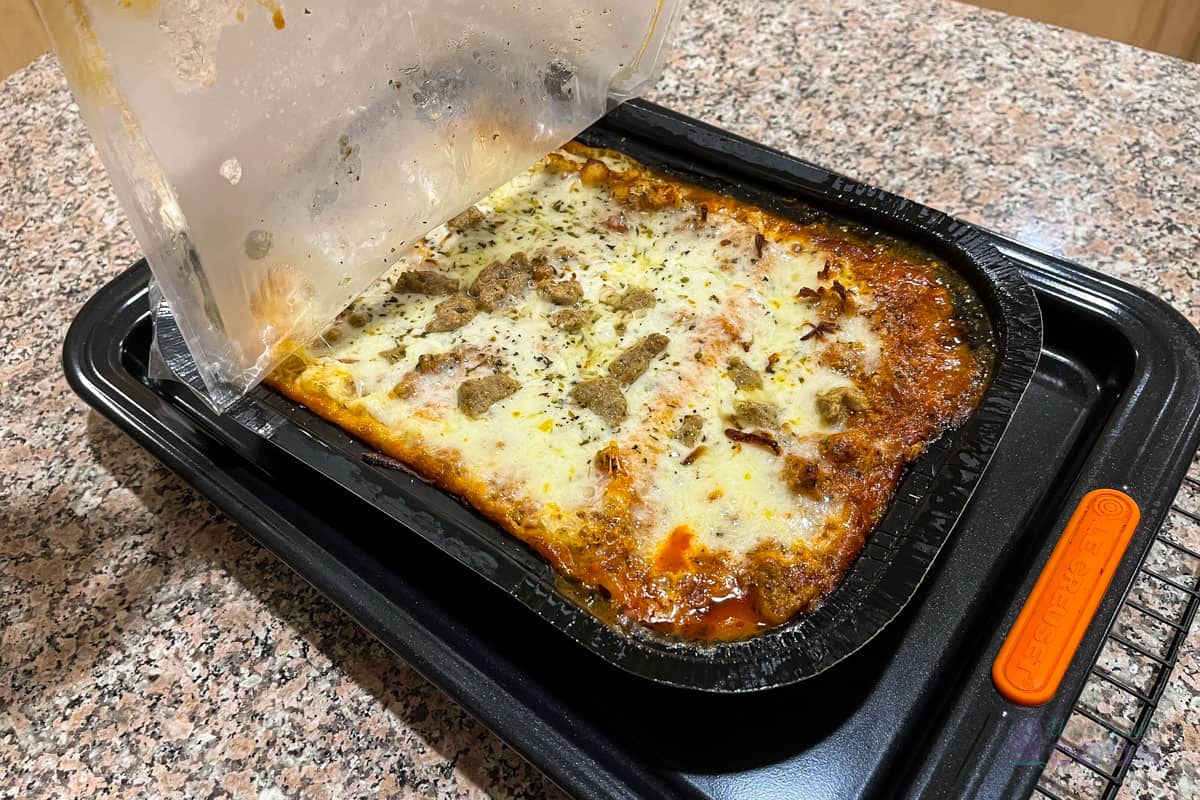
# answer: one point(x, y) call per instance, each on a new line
point(901, 548)
point(1115, 402)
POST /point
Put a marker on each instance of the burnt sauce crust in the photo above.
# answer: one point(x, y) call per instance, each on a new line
point(937, 360)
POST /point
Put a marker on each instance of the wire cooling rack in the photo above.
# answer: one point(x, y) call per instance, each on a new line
point(1112, 714)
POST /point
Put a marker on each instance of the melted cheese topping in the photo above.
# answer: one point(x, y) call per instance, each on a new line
point(682, 535)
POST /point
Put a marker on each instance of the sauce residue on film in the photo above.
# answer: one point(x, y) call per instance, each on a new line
point(140, 6)
point(276, 13)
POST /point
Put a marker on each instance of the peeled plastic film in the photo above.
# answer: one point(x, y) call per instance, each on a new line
point(275, 159)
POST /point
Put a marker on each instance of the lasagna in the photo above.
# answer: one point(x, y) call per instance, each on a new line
point(696, 410)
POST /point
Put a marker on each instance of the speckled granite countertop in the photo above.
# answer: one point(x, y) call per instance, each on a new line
point(149, 648)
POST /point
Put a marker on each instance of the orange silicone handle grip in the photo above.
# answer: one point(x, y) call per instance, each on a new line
point(1043, 640)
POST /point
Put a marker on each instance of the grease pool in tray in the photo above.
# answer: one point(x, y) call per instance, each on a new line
point(1114, 402)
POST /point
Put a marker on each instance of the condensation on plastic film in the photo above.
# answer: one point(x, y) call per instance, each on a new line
point(274, 160)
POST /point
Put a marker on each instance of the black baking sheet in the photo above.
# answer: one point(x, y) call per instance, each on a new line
point(1114, 402)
